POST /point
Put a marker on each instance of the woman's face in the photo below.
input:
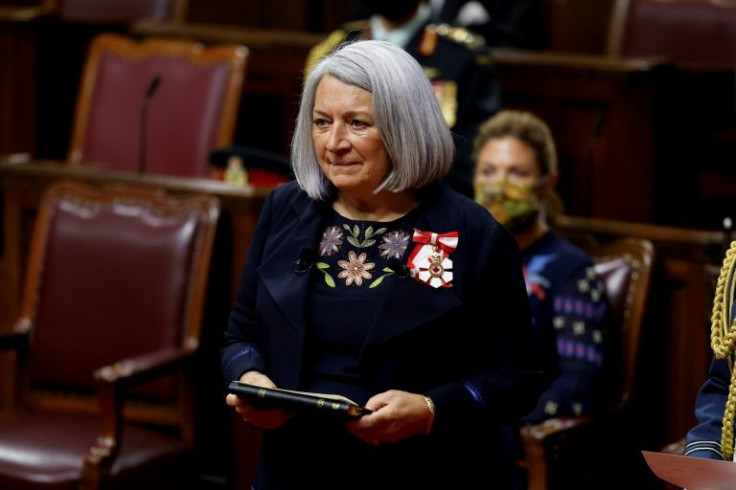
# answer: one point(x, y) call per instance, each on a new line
point(348, 145)
point(507, 182)
point(506, 160)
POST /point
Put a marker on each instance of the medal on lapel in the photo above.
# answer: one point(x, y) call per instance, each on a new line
point(430, 261)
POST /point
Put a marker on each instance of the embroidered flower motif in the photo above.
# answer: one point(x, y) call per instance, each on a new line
point(355, 269)
point(331, 241)
point(369, 237)
point(322, 267)
point(394, 244)
point(388, 271)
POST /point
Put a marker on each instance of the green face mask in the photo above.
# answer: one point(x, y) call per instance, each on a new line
point(515, 206)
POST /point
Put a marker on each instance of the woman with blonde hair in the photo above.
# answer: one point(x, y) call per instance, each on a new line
point(514, 178)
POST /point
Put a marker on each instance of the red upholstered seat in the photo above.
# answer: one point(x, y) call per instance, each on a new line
point(698, 33)
point(107, 338)
point(49, 451)
point(191, 111)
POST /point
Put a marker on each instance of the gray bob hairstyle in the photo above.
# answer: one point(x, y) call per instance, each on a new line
point(405, 112)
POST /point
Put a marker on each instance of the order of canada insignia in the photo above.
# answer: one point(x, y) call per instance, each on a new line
point(430, 261)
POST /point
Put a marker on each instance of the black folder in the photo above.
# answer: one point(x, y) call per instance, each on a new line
point(300, 402)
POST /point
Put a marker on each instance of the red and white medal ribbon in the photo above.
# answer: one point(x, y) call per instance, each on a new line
point(430, 260)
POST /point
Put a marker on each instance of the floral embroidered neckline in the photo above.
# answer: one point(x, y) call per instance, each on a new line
point(351, 250)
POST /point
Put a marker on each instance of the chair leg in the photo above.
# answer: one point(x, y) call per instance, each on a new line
point(537, 469)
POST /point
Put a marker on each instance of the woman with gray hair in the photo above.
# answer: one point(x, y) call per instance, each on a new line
point(370, 279)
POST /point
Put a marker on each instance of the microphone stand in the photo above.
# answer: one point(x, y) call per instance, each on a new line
point(143, 149)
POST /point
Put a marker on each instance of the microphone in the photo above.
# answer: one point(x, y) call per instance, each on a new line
point(397, 265)
point(304, 261)
point(143, 150)
point(153, 86)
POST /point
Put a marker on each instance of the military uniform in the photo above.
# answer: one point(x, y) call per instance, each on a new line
point(704, 439)
point(458, 64)
point(713, 435)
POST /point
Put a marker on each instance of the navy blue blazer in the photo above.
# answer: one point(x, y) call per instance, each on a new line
point(467, 347)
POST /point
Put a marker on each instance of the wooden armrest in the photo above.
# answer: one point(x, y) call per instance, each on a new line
point(143, 367)
point(111, 383)
point(552, 427)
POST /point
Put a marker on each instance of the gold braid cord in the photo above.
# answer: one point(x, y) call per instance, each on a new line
point(723, 342)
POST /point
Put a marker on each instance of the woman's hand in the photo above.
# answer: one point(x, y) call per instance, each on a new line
point(262, 418)
point(397, 415)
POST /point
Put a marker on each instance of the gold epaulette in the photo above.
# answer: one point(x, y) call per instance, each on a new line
point(331, 42)
point(461, 35)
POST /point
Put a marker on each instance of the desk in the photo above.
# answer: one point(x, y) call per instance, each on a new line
point(22, 186)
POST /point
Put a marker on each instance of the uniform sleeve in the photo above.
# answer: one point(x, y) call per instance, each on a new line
point(704, 440)
point(580, 323)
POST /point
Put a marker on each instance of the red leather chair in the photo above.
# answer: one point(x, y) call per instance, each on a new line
point(698, 33)
point(560, 445)
point(106, 341)
point(156, 106)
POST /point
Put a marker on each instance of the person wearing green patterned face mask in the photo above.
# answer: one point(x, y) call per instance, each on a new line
point(514, 178)
point(515, 205)
point(515, 173)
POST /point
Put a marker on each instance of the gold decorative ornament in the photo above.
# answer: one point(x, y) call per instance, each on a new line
point(723, 341)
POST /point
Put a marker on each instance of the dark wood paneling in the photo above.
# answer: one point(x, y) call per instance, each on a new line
point(639, 139)
point(277, 14)
point(18, 75)
point(579, 26)
point(602, 115)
